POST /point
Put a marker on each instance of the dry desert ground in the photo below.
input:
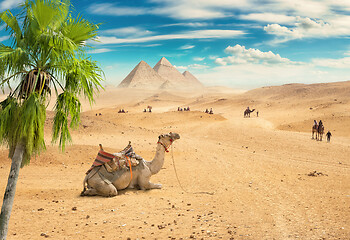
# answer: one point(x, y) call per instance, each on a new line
point(243, 178)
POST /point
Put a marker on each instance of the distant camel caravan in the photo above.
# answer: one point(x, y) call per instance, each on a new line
point(247, 112)
point(108, 176)
point(318, 129)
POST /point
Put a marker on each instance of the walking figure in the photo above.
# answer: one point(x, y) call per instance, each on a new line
point(328, 134)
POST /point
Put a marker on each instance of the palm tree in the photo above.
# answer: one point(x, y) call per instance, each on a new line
point(47, 51)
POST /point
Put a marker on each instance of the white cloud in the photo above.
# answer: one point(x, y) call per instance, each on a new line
point(8, 4)
point(250, 75)
point(197, 66)
point(199, 34)
point(192, 66)
point(180, 68)
point(188, 24)
point(310, 28)
point(199, 59)
point(185, 47)
point(127, 32)
point(269, 17)
point(241, 55)
point(100, 50)
point(115, 10)
point(332, 63)
point(272, 11)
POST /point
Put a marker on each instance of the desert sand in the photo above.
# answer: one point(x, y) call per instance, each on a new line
point(243, 178)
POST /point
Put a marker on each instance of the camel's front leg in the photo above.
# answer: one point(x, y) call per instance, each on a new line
point(144, 181)
point(149, 185)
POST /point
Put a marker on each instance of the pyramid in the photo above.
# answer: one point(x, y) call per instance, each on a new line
point(193, 81)
point(142, 76)
point(167, 85)
point(170, 73)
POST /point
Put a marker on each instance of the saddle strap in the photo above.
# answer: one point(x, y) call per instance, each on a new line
point(130, 167)
point(104, 178)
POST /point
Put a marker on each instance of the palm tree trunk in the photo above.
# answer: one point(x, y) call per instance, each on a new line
point(10, 191)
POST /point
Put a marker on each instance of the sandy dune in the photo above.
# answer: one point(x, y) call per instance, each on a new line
point(255, 169)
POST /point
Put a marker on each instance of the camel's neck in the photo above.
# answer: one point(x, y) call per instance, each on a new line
point(157, 163)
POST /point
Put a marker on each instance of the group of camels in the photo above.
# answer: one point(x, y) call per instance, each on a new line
point(318, 129)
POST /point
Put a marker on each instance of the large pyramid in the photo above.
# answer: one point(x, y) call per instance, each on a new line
point(170, 73)
point(193, 81)
point(142, 76)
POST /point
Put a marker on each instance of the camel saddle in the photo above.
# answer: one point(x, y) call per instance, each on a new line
point(124, 159)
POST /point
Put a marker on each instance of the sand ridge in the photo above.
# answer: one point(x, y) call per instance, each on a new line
point(257, 168)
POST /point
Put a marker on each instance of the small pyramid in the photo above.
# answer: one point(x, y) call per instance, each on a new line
point(193, 81)
point(142, 76)
point(167, 85)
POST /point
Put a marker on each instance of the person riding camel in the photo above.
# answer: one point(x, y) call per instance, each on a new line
point(320, 123)
point(315, 124)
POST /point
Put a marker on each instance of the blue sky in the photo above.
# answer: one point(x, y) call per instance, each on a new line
point(236, 43)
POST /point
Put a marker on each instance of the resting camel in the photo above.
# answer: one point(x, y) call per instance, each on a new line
point(247, 112)
point(121, 179)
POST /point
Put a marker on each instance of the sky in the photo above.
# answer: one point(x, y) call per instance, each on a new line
point(241, 44)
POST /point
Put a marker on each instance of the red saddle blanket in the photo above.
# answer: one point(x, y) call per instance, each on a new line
point(101, 158)
point(124, 159)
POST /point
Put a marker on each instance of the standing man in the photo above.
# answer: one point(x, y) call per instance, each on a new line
point(328, 134)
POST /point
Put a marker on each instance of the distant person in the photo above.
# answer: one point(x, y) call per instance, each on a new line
point(257, 113)
point(188, 108)
point(144, 110)
point(211, 111)
point(150, 110)
point(178, 108)
point(320, 123)
point(206, 110)
point(328, 134)
point(315, 123)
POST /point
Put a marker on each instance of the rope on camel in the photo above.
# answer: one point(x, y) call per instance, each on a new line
point(177, 177)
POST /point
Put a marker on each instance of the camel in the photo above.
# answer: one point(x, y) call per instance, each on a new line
point(314, 131)
point(320, 131)
point(121, 179)
point(247, 112)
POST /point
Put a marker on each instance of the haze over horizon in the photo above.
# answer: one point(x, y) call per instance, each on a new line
point(240, 44)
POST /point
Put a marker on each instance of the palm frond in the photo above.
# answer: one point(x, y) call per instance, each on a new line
point(11, 25)
point(23, 123)
point(67, 105)
point(79, 30)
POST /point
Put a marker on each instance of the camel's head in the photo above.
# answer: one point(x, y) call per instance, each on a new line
point(168, 138)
